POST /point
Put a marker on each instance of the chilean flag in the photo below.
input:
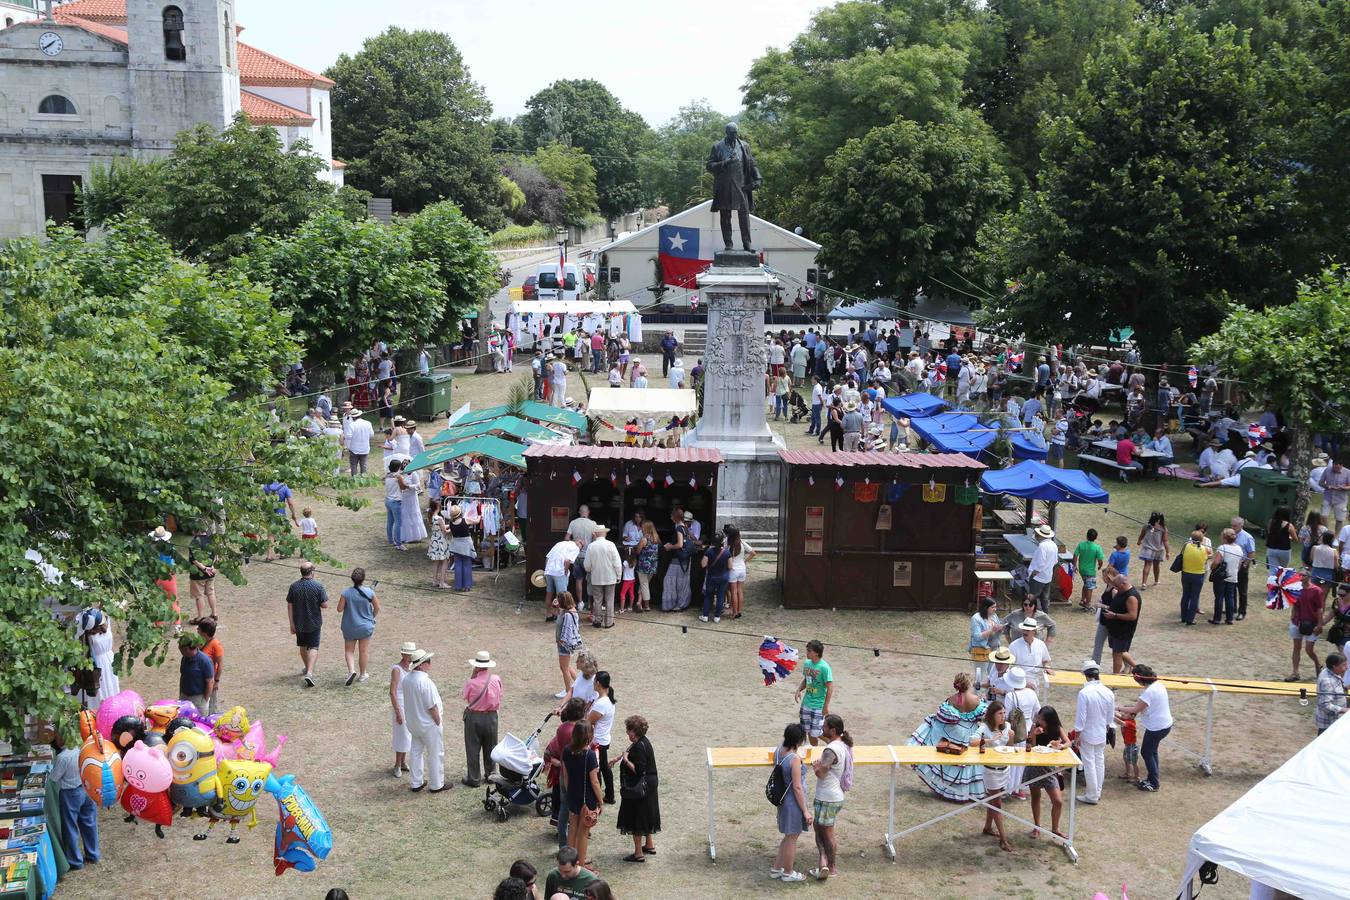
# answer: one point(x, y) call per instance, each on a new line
point(680, 262)
point(562, 268)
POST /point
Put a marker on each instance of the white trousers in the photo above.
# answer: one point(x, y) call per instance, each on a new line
point(1094, 768)
point(427, 744)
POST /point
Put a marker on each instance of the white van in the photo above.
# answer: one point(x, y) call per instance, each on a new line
point(572, 287)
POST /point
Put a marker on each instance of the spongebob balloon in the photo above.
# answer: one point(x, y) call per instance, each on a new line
point(192, 755)
point(148, 775)
point(241, 783)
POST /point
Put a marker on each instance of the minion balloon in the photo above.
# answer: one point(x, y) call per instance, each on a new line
point(192, 754)
point(241, 783)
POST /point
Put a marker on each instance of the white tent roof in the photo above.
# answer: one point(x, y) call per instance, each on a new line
point(1271, 833)
point(628, 402)
point(574, 307)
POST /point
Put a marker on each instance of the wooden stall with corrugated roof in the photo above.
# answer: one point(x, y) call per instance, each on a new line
point(878, 530)
point(615, 482)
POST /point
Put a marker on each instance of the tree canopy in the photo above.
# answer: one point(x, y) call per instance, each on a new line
point(413, 125)
point(673, 170)
point(571, 169)
point(122, 377)
point(585, 114)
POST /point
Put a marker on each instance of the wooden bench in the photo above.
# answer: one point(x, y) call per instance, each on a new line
point(1124, 471)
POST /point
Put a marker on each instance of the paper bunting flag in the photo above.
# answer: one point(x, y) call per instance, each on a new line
point(669, 480)
point(776, 660)
point(576, 477)
point(693, 482)
point(838, 482)
point(811, 480)
point(1283, 588)
point(651, 480)
point(613, 477)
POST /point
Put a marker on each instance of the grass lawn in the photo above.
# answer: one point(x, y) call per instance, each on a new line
point(697, 689)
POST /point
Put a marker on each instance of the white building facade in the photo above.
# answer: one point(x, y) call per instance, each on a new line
point(628, 264)
point(109, 78)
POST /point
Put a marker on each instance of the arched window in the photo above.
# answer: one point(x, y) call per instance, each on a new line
point(227, 40)
point(173, 34)
point(8, 21)
point(56, 105)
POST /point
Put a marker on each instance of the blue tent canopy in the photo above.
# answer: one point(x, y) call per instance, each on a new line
point(914, 406)
point(951, 433)
point(1037, 481)
point(1026, 447)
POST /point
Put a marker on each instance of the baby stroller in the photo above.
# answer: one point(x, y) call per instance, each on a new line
point(514, 784)
point(797, 406)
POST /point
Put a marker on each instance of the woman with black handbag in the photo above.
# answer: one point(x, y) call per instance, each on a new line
point(639, 809)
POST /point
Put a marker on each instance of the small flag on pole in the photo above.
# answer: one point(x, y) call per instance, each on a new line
point(839, 482)
point(811, 480)
point(669, 480)
point(651, 480)
point(693, 482)
point(576, 477)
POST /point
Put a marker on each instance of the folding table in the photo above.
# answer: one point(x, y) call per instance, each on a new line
point(1196, 687)
point(1052, 762)
point(762, 757)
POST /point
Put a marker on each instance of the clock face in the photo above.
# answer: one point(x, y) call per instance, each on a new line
point(50, 43)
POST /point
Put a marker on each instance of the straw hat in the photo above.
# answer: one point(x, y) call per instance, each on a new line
point(456, 513)
point(1045, 531)
point(1016, 678)
point(1028, 625)
point(688, 516)
point(1001, 655)
point(407, 648)
point(483, 660)
point(537, 579)
point(421, 656)
point(1090, 665)
point(161, 533)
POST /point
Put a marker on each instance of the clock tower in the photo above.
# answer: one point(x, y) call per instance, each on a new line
point(184, 68)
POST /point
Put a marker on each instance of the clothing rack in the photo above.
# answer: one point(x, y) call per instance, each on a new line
point(489, 544)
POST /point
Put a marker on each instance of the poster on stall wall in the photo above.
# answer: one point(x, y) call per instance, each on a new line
point(953, 573)
point(815, 531)
point(815, 518)
point(884, 517)
point(559, 518)
point(902, 574)
point(815, 546)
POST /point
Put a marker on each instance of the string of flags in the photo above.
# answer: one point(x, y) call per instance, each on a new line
point(776, 660)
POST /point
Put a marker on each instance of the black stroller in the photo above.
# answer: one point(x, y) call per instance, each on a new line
point(515, 783)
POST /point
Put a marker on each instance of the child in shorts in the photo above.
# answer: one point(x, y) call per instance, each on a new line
point(1129, 734)
point(1120, 557)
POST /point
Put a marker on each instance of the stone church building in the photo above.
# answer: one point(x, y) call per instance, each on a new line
point(107, 78)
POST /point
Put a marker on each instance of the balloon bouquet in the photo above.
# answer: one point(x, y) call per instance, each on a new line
point(170, 755)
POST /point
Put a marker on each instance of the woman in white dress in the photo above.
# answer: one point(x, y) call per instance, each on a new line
point(414, 528)
point(94, 626)
point(402, 737)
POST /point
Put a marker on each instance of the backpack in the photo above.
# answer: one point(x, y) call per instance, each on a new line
point(777, 787)
point(1018, 721)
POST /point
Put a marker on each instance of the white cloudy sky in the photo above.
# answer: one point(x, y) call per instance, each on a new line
point(655, 56)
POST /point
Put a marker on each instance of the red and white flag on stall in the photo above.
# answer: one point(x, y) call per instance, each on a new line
point(651, 480)
point(669, 480)
point(693, 482)
point(576, 477)
point(839, 482)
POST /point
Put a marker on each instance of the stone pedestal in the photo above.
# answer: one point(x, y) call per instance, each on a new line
point(733, 419)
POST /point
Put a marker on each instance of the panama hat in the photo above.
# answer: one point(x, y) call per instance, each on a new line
point(407, 648)
point(1028, 625)
point(537, 579)
point(483, 660)
point(688, 516)
point(1045, 531)
point(1016, 678)
point(421, 656)
point(160, 533)
point(1090, 665)
point(1001, 655)
point(456, 513)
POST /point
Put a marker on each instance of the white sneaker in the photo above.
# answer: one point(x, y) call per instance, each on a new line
point(365, 677)
point(775, 873)
point(560, 695)
point(716, 619)
point(398, 771)
point(703, 618)
point(792, 877)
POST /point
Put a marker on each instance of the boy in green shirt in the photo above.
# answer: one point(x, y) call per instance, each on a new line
point(1087, 557)
point(816, 690)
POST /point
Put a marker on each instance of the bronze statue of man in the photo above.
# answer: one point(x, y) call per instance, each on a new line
point(735, 179)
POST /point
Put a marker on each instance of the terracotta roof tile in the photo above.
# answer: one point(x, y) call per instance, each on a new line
point(109, 12)
point(634, 454)
point(111, 32)
point(258, 67)
point(880, 460)
point(261, 111)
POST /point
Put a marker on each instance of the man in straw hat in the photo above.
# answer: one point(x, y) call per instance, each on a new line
point(482, 699)
point(356, 435)
point(852, 425)
point(1096, 711)
point(604, 569)
point(1041, 570)
point(422, 709)
point(402, 737)
point(1032, 655)
point(1000, 661)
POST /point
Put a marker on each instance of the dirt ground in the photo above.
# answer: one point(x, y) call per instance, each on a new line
point(697, 689)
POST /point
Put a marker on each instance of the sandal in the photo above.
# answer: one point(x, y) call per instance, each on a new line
point(650, 851)
point(635, 857)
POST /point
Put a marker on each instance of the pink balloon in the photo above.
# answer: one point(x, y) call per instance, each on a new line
point(147, 768)
point(254, 745)
point(125, 703)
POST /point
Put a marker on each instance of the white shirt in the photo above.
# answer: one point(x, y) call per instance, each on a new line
point(1233, 555)
point(562, 553)
point(1343, 539)
point(419, 696)
point(1031, 657)
point(776, 354)
point(632, 533)
point(1043, 560)
point(391, 489)
point(676, 377)
point(828, 787)
point(818, 394)
point(605, 707)
point(358, 433)
point(1096, 710)
point(1207, 458)
point(1024, 699)
point(737, 562)
point(1159, 713)
point(1315, 479)
point(308, 526)
point(583, 688)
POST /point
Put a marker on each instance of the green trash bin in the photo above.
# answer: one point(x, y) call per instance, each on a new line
point(1261, 492)
point(430, 395)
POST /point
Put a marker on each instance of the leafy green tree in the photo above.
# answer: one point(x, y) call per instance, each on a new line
point(545, 199)
point(900, 207)
point(584, 114)
point(1164, 193)
point(571, 168)
point(1293, 357)
point(674, 168)
point(414, 126)
point(123, 422)
point(507, 137)
point(347, 284)
point(512, 197)
point(458, 251)
point(216, 191)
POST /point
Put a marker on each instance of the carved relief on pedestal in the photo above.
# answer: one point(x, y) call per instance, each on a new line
point(736, 340)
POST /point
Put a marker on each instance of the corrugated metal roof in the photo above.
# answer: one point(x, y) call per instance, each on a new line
point(880, 460)
point(637, 454)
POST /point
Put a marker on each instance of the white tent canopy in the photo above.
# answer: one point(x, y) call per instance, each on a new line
point(577, 308)
point(613, 403)
point(1275, 834)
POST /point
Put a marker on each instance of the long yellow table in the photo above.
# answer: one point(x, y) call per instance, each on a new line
point(904, 755)
point(762, 757)
point(1208, 688)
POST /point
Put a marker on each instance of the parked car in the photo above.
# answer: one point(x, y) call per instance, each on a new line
point(530, 289)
